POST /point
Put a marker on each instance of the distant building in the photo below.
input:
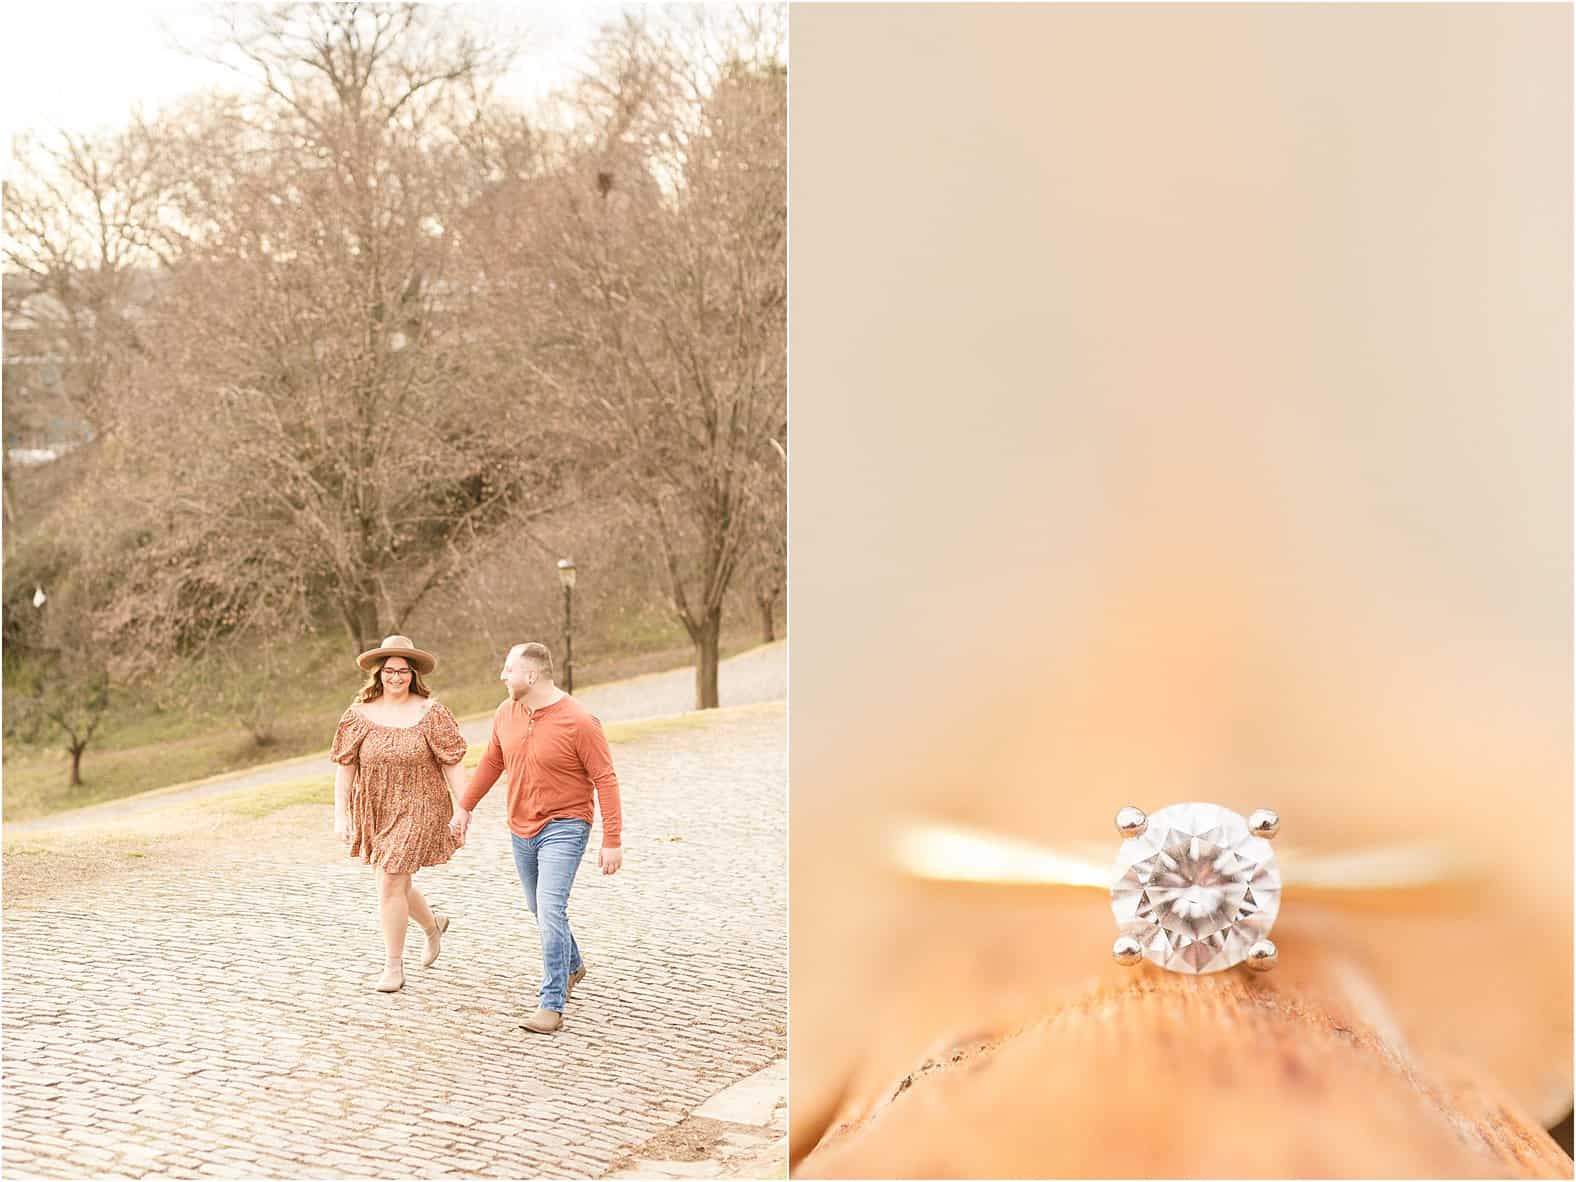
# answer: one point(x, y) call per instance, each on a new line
point(40, 424)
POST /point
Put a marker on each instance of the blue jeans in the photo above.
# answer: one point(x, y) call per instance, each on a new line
point(547, 865)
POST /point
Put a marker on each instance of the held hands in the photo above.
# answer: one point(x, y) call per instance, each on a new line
point(610, 858)
point(460, 824)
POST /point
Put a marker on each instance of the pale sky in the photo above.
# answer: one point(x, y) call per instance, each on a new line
point(82, 66)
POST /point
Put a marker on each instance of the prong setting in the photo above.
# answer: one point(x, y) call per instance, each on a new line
point(1126, 951)
point(1131, 821)
point(1195, 889)
point(1264, 823)
point(1262, 956)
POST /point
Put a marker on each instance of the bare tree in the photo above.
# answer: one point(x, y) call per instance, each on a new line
point(351, 447)
point(83, 229)
point(58, 678)
point(668, 308)
point(339, 330)
point(74, 697)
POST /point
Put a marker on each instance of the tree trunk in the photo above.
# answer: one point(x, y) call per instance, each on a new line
point(361, 622)
point(768, 621)
point(76, 767)
point(707, 642)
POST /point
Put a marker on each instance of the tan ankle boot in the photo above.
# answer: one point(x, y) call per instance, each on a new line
point(543, 1022)
point(574, 979)
point(434, 943)
point(393, 978)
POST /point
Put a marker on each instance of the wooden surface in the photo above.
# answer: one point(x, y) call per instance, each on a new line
point(1302, 1072)
point(986, 1032)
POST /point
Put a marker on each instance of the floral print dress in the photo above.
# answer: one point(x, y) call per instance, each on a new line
point(399, 805)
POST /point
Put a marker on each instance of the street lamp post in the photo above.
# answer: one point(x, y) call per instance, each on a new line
point(566, 576)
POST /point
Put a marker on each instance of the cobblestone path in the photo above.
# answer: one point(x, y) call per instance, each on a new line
point(221, 1022)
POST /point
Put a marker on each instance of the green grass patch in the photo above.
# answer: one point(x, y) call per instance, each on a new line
point(625, 732)
point(257, 803)
point(35, 781)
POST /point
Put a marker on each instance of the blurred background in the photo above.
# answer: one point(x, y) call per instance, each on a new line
point(1183, 407)
point(325, 322)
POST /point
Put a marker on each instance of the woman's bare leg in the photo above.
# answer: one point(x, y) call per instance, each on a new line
point(394, 911)
point(419, 911)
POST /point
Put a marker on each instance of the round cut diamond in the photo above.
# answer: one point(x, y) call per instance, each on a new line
point(1195, 888)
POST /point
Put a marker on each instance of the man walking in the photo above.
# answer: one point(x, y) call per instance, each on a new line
point(556, 755)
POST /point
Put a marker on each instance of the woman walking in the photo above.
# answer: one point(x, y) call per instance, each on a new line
point(399, 776)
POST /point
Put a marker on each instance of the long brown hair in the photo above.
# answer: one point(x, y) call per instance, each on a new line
point(373, 690)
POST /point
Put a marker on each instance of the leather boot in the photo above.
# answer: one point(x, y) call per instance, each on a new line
point(434, 943)
point(393, 978)
point(543, 1022)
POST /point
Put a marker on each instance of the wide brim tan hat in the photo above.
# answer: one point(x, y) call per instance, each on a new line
point(398, 646)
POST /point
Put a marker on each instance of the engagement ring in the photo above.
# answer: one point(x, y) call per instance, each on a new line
point(1195, 887)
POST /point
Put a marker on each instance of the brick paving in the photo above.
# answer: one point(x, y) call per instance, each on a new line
point(220, 1022)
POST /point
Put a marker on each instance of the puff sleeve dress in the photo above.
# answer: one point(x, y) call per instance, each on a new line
point(399, 805)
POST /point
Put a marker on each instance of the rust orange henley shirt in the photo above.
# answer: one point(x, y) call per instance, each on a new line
point(556, 757)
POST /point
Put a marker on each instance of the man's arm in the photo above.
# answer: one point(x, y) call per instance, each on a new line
point(482, 779)
point(591, 746)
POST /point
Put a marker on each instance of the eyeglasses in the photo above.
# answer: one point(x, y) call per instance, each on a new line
point(387, 672)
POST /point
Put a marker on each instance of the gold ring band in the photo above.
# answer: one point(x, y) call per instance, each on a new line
point(958, 854)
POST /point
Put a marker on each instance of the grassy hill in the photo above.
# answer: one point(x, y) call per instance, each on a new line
point(144, 747)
